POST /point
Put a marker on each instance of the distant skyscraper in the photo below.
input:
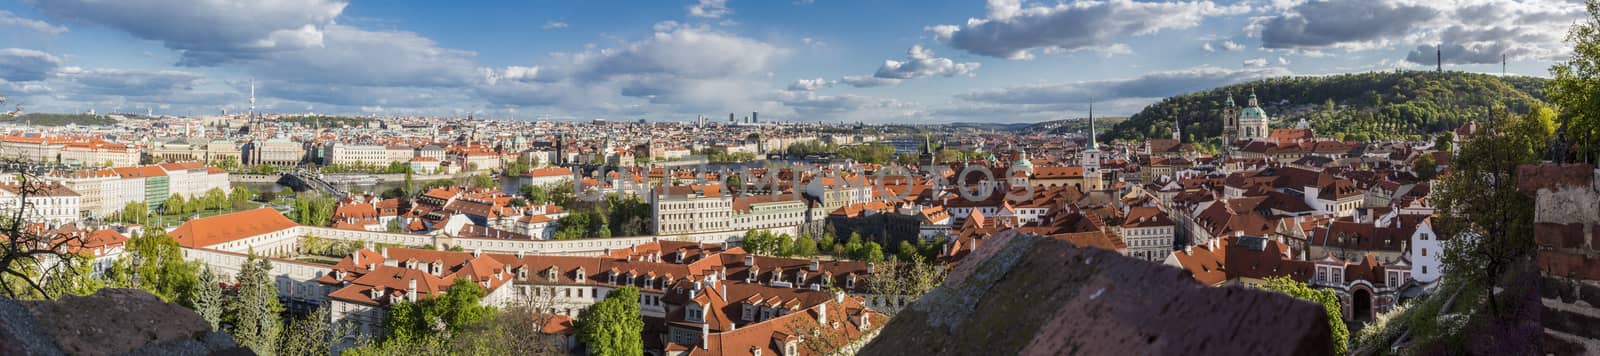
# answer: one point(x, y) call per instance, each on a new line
point(753, 117)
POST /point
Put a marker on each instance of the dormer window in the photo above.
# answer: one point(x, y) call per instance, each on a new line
point(522, 273)
point(850, 282)
point(551, 274)
point(580, 275)
point(790, 348)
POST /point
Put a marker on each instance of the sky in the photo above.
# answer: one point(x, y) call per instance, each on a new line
point(876, 61)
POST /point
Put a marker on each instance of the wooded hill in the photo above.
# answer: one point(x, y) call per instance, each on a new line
point(1360, 106)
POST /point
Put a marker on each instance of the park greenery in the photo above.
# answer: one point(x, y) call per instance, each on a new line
point(313, 210)
point(396, 167)
point(1357, 106)
point(616, 215)
point(48, 119)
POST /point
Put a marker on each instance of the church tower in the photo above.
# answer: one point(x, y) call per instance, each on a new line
point(1090, 157)
point(1230, 121)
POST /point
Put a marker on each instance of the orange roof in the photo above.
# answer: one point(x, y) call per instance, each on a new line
point(219, 229)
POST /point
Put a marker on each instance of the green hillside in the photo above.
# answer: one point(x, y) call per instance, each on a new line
point(1356, 106)
point(47, 119)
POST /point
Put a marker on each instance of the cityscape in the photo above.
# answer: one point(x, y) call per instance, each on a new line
point(727, 177)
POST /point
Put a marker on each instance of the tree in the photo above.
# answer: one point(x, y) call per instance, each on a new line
point(534, 193)
point(1576, 89)
point(313, 210)
point(442, 316)
point(904, 282)
point(208, 298)
point(1444, 141)
point(853, 247)
point(1425, 167)
point(1329, 301)
point(613, 326)
point(311, 334)
point(175, 205)
point(872, 252)
point(75, 278)
point(906, 251)
point(483, 181)
point(254, 308)
point(784, 246)
point(805, 246)
point(1490, 222)
point(154, 262)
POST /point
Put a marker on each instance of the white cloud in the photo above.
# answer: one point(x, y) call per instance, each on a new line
point(1231, 46)
point(867, 81)
point(711, 9)
point(26, 65)
point(552, 25)
point(1283, 61)
point(920, 62)
point(809, 84)
point(1207, 47)
point(1341, 24)
point(209, 32)
point(9, 19)
point(1012, 31)
point(1255, 63)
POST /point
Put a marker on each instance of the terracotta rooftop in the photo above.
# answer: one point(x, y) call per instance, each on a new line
point(223, 228)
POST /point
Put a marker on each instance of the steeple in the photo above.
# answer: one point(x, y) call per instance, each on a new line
point(1177, 128)
point(1253, 102)
point(1092, 143)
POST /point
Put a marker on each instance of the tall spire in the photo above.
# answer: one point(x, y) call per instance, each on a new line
point(252, 97)
point(1092, 144)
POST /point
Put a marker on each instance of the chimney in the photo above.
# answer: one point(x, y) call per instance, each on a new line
point(749, 260)
point(356, 257)
point(870, 267)
point(385, 253)
point(411, 291)
point(814, 264)
point(705, 336)
point(822, 313)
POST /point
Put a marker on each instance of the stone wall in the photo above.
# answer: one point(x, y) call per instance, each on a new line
point(1566, 219)
point(109, 322)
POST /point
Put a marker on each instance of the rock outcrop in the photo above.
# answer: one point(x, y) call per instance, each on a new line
point(1023, 294)
point(109, 322)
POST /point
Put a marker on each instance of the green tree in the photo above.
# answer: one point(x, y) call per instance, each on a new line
point(613, 326)
point(784, 246)
point(310, 334)
point(1492, 222)
point(154, 262)
point(254, 309)
point(1425, 167)
point(74, 277)
point(1444, 141)
point(176, 205)
point(805, 246)
point(853, 247)
point(1576, 87)
point(208, 298)
point(872, 252)
point(483, 181)
point(1329, 301)
point(906, 251)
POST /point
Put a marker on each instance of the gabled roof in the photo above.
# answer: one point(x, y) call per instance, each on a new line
point(209, 231)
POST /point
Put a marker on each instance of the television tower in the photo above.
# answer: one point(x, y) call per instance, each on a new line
point(252, 98)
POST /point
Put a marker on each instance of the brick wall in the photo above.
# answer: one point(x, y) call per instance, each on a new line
point(1566, 219)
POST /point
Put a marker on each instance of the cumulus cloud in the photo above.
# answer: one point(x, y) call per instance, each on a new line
point(686, 68)
point(26, 65)
point(551, 25)
point(1151, 86)
point(813, 105)
point(711, 9)
point(1255, 63)
point(209, 32)
point(1346, 24)
point(920, 62)
point(9, 19)
point(129, 82)
point(809, 84)
point(1207, 47)
point(347, 58)
point(1481, 33)
point(1013, 31)
point(1231, 46)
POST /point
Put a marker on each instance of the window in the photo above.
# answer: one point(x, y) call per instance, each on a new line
point(1424, 251)
point(1424, 269)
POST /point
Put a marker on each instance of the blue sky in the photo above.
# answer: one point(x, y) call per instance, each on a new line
point(670, 60)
